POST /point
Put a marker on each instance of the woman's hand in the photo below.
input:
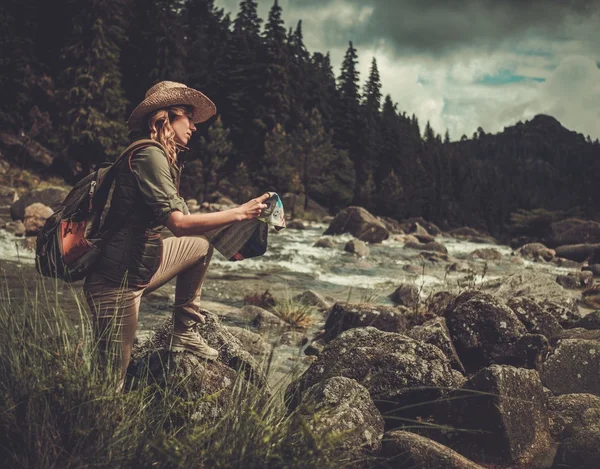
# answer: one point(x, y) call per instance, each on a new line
point(253, 208)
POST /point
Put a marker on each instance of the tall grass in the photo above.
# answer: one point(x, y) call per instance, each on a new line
point(59, 408)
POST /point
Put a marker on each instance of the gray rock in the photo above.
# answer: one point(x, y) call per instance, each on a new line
point(573, 367)
point(593, 268)
point(409, 224)
point(326, 242)
point(231, 351)
point(459, 267)
point(535, 318)
point(590, 321)
point(432, 247)
point(536, 252)
point(577, 252)
point(341, 408)
point(578, 333)
point(437, 303)
point(261, 318)
point(480, 327)
point(487, 254)
point(313, 298)
point(420, 233)
point(35, 216)
point(580, 448)
point(485, 420)
point(358, 247)
point(435, 332)
point(565, 315)
point(252, 342)
point(575, 231)
point(566, 412)
point(398, 371)
point(344, 316)
point(51, 196)
point(538, 285)
point(360, 224)
point(470, 234)
point(411, 451)
point(407, 294)
point(576, 280)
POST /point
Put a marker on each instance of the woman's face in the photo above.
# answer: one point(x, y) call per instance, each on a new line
point(183, 128)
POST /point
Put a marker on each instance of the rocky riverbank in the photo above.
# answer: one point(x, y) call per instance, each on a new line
point(427, 348)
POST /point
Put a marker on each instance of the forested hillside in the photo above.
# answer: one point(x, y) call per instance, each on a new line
point(289, 120)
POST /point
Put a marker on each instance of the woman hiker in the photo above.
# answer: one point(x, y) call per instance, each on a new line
point(146, 198)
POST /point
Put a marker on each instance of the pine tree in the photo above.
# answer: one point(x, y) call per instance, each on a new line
point(280, 168)
point(299, 76)
point(215, 151)
point(347, 128)
point(275, 106)
point(155, 49)
point(92, 100)
point(322, 90)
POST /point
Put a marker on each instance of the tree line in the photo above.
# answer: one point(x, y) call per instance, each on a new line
point(73, 70)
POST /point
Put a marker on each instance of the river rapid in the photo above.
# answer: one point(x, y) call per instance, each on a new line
point(291, 266)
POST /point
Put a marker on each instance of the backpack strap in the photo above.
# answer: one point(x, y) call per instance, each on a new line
point(138, 145)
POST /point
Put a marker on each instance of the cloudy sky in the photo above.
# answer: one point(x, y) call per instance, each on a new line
point(462, 64)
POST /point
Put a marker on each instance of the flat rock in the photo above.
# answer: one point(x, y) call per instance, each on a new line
point(533, 284)
point(590, 321)
point(567, 410)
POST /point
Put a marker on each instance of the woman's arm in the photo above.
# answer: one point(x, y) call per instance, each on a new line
point(200, 223)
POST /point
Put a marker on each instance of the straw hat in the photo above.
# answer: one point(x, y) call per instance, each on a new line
point(170, 93)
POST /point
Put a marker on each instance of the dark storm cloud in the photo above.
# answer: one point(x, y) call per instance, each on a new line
point(437, 26)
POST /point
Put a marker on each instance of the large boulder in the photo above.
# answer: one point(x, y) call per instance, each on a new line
point(566, 412)
point(407, 450)
point(344, 316)
point(498, 418)
point(231, 351)
point(580, 447)
point(435, 332)
point(252, 342)
point(575, 231)
point(35, 218)
point(577, 252)
point(483, 330)
point(51, 196)
point(536, 319)
point(573, 367)
point(342, 409)
point(398, 371)
point(312, 298)
point(360, 224)
point(409, 225)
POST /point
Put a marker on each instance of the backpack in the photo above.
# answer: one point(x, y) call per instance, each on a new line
point(73, 236)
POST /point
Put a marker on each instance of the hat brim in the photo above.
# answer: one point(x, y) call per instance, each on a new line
point(202, 107)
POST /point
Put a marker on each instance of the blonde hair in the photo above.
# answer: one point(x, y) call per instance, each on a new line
point(161, 131)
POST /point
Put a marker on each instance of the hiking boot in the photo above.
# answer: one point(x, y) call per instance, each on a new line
point(189, 340)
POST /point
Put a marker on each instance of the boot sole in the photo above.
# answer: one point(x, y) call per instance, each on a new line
point(179, 349)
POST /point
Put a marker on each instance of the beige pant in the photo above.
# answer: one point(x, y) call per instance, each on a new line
point(115, 307)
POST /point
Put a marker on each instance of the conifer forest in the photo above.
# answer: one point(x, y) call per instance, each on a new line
point(289, 119)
